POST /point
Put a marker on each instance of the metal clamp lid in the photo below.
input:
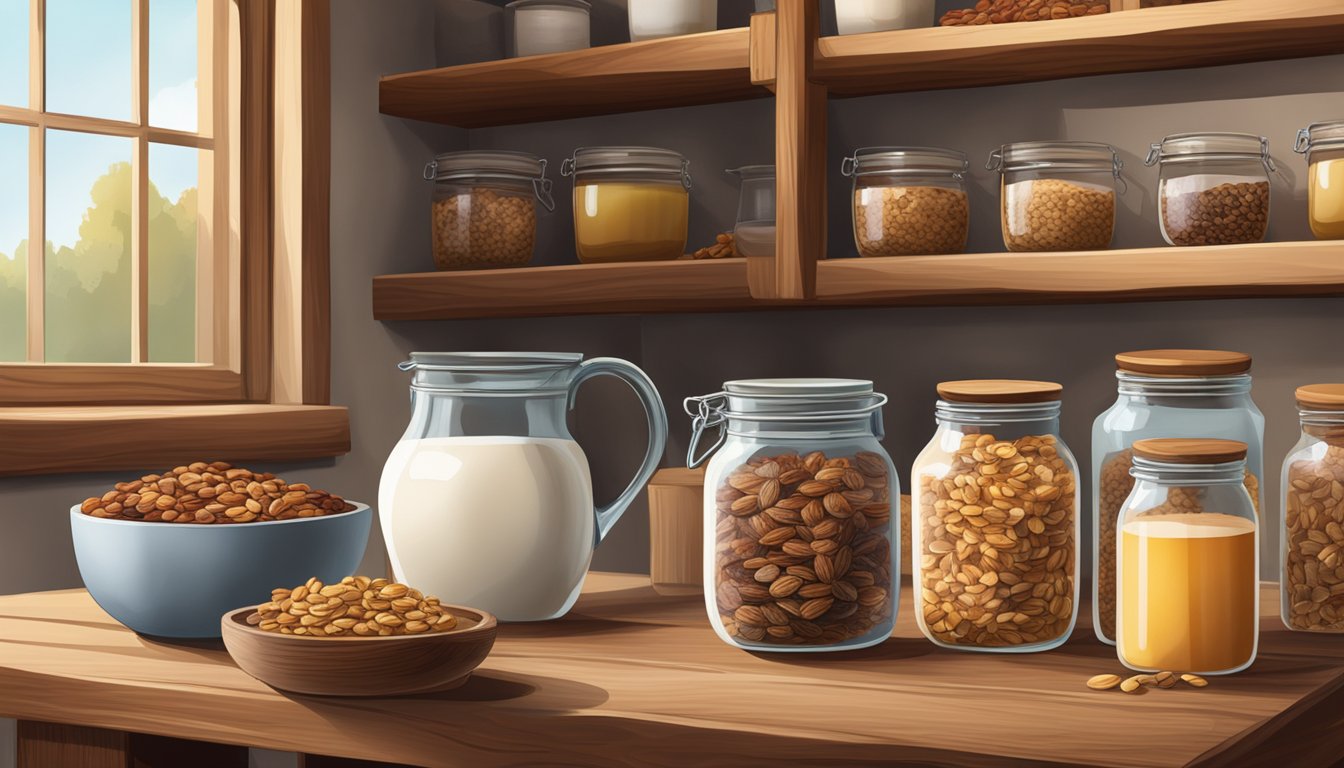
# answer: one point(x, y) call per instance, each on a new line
point(510, 167)
point(997, 162)
point(627, 160)
point(1325, 135)
point(912, 161)
point(1210, 146)
point(705, 411)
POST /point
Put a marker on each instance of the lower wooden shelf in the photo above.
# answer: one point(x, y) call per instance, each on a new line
point(1142, 274)
point(629, 678)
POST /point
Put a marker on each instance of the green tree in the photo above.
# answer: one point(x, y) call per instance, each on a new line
point(13, 313)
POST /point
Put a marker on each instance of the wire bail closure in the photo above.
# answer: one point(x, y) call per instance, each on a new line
point(705, 411)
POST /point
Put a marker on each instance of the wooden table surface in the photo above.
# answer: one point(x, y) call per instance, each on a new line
point(632, 678)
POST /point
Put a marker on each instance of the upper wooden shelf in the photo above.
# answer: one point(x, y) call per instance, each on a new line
point(670, 72)
point(632, 678)
point(1174, 37)
point(575, 289)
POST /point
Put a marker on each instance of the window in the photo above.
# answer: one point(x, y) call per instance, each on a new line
point(137, 140)
point(118, 126)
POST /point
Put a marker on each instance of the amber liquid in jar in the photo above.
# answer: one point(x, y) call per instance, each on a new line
point(1326, 206)
point(629, 221)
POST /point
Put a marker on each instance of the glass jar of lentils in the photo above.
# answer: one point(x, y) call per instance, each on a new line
point(995, 530)
point(908, 200)
point(484, 211)
point(801, 551)
point(1057, 195)
point(1214, 188)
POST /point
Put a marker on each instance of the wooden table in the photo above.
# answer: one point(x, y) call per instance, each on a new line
point(632, 678)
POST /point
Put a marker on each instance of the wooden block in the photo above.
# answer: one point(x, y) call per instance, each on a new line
point(676, 531)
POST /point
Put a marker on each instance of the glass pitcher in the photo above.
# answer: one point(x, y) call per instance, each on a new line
point(487, 501)
point(754, 232)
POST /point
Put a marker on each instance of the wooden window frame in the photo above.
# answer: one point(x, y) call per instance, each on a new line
point(270, 401)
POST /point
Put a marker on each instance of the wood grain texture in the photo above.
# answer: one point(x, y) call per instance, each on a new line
point(44, 745)
point(1232, 271)
point(631, 678)
point(800, 159)
point(257, 23)
point(316, 281)
point(1175, 37)
point(52, 440)
point(676, 531)
point(763, 42)
point(654, 74)
point(667, 286)
point(55, 384)
point(362, 666)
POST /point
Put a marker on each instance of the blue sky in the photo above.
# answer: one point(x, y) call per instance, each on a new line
point(89, 73)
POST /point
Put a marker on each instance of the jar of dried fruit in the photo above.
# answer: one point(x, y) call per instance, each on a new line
point(1057, 195)
point(908, 200)
point(801, 552)
point(484, 210)
point(1313, 505)
point(1188, 538)
point(996, 520)
point(1214, 188)
point(1323, 144)
point(1164, 393)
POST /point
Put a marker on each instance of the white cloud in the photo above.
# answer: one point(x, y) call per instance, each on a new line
point(175, 107)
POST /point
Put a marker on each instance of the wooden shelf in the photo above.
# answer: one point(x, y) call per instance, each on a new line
point(578, 289)
point(632, 678)
point(671, 72)
point(1174, 37)
point(1211, 272)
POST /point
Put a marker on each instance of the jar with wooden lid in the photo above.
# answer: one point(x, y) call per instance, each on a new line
point(484, 210)
point(1164, 393)
point(1312, 581)
point(1214, 188)
point(1188, 565)
point(1057, 195)
point(996, 520)
point(908, 200)
point(801, 546)
point(630, 203)
point(1323, 144)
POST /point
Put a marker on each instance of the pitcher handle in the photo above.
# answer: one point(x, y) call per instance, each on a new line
point(608, 514)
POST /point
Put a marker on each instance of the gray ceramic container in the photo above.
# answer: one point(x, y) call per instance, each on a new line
point(168, 580)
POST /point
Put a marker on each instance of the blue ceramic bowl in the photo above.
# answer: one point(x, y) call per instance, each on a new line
point(170, 580)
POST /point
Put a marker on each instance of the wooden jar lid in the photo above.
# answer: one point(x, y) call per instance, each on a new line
point(1000, 391)
point(1321, 397)
point(1184, 362)
point(1175, 450)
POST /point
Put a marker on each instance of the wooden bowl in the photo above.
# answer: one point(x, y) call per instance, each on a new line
point(362, 666)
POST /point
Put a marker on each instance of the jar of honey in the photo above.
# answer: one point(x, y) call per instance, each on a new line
point(1188, 565)
point(1323, 144)
point(630, 203)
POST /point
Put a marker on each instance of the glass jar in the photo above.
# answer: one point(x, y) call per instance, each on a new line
point(801, 553)
point(630, 203)
point(1188, 571)
point(1057, 195)
point(995, 523)
point(1323, 144)
point(908, 200)
point(1312, 581)
point(548, 26)
point(1214, 188)
point(484, 208)
point(754, 232)
point(853, 17)
point(1163, 393)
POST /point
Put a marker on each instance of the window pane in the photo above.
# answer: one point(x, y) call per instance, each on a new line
point(13, 242)
point(172, 64)
point(89, 58)
point(14, 52)
point(88, 258)
point(172, 253)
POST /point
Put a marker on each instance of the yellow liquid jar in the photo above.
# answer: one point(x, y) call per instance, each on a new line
point(1188, 596)
point(1323, 144)
point(630, 203)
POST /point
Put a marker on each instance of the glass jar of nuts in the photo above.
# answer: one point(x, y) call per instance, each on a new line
point(1188, 566)
point(1214, 188)
point(1164, 393)
point(484, 209)
point(801, 551)
point(996, 520)
point(1057, 195)
point(1312, 582)
point(908, 200)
